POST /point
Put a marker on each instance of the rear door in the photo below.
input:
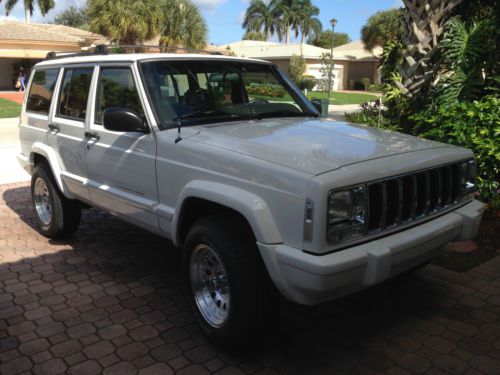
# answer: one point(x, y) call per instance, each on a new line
point(66, 133)
point(121, 165)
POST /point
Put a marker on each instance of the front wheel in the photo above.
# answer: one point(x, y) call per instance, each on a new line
point(56, 215)
point(229, 288)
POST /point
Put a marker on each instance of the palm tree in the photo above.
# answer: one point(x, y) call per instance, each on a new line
point(309, 23)
point(288, 14)
point(424, 23)
point(29, 7)
point(183, 25)
point(125, 21)
point(381, 28)
point(259, 17)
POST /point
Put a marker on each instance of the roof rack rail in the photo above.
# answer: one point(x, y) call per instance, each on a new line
point(163, 49)
point(100, 49)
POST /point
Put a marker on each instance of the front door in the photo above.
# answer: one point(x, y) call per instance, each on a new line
point(121, 165)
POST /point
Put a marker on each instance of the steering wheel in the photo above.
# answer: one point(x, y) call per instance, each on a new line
point(258, 101)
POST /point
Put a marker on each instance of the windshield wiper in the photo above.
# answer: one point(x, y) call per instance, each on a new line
point(283, 114)
point(201, 114)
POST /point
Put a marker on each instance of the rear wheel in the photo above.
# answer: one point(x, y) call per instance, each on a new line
point(56, 215)
point(230, 291)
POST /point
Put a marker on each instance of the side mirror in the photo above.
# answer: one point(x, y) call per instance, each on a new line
point(321, 106)
point(123, 120)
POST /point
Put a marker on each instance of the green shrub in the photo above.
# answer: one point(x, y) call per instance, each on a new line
point(376, 87)
point(307, 83)
point(473, 125)
point(366, 82)
point(370, 115)
point(271, 91)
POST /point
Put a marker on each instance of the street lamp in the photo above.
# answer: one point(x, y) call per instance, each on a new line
point(333, 22)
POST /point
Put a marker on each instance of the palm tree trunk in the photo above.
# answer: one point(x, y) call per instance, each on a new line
point(424, 22)
point(287, 34)
point(27, 15)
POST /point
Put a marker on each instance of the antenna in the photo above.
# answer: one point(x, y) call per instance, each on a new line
point(179, 138)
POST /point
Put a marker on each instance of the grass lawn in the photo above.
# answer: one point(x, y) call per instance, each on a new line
point(340, 98)
point(9, 108)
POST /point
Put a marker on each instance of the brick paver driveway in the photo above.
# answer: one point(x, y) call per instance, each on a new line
point(110, 300)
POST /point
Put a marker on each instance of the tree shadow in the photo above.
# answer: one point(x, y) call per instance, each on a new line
point(111, 273)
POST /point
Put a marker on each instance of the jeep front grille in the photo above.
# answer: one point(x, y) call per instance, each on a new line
point(407, 198)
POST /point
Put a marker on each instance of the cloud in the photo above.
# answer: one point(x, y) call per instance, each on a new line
point(209, 4)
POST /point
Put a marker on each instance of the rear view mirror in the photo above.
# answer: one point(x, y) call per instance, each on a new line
point(124, 120)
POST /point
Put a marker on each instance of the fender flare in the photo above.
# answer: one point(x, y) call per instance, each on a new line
point(48, 153)
point(252, 207)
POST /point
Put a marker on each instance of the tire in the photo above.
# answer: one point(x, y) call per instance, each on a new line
point(236, 308)
point(56, 215)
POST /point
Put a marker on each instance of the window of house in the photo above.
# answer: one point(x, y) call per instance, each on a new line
point(41, 90)
point(116, 89)
point(75, 93)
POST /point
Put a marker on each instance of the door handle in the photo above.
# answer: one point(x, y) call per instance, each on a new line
point(92, 135)
point(53, 127)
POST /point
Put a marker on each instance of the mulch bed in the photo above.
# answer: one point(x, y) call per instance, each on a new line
point(488, 246)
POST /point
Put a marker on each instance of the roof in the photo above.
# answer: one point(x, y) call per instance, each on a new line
point(131, 57)
point(271, 50)
point(356, 51)
point(38, 32)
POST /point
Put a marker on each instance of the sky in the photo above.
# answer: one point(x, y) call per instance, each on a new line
point(224, 17)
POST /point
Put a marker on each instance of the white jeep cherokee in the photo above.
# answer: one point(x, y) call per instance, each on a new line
point(229, 160)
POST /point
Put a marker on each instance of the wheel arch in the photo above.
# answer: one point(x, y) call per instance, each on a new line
point(41, 153)
point(203, 198)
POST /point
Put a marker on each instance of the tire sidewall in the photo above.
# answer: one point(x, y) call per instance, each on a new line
point(51, 228)
point(201, 234)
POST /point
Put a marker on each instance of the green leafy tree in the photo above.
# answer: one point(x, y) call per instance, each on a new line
point(324, 39)
point(74, 17)
point(254, 35)
point(326, 71)
point(382, 27)
point(29, 6)
point(309, 23)
point(183, 25)
point(288, 14)
point(467, 64)
point(125, 21)
point(297, 68)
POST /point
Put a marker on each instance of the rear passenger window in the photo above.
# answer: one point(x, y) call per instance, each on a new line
point(116, 89)
point(74, 93)
point(42, 88)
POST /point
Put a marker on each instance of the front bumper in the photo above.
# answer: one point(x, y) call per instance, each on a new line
point(24, 162)
point(312, 279)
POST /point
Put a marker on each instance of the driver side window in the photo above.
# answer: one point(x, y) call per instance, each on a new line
point(116, 88)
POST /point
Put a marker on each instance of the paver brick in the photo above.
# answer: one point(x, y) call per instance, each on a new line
point(102, 302)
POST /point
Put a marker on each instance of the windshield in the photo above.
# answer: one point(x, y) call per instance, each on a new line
point(200, 92)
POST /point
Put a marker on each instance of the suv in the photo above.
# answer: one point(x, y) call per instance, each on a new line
point(228, 159)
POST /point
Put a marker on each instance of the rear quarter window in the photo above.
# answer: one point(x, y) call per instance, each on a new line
point(41, 91)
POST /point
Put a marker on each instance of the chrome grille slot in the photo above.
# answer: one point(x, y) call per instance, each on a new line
point(402, 199)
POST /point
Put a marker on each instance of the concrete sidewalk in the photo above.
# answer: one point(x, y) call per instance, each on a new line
point(10, 170)
point(337, 112)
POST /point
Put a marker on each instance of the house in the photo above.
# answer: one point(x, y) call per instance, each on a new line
point(351, 61)
point(25, 44)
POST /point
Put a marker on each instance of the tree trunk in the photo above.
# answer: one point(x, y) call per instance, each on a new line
point(27, 15)
point(424, 23)
point(287, 34)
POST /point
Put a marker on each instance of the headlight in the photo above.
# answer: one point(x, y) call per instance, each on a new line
point(346, 214)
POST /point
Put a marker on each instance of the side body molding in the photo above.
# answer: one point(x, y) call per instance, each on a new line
point(49, 153)
point(251, 206)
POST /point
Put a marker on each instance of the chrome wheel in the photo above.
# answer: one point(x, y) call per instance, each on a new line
point(43, 203)
point(210, 286)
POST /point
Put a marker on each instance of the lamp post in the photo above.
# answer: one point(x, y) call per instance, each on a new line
point(333, 22)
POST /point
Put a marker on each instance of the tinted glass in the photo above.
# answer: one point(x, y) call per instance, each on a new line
point(117, 90)
point(75, 92)
point(196, 92)
point(42, 88)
